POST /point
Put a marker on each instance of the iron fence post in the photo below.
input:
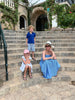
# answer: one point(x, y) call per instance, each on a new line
point(5, 51)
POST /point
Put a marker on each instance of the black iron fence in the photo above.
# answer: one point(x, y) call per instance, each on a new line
point(2, 41)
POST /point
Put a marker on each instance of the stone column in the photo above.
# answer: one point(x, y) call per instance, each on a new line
point(26, 25)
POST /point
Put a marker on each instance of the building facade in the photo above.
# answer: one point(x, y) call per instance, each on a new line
point(38, 16)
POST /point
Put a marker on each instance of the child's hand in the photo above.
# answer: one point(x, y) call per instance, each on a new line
point(54, 57)
point(24, 62)
point(27, 62)
point(51, 57)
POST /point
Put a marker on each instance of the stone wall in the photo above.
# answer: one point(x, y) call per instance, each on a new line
point(22, 12)
point(5, 25)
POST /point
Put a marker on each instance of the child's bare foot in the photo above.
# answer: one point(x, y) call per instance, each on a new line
point(24, 78)
point(30, 76)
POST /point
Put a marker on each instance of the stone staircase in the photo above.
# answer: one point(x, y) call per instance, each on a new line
point(64, 50)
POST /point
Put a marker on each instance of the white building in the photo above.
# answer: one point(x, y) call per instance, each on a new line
point(69, 1)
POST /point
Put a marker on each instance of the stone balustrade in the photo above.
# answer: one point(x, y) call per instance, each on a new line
point(8, 3)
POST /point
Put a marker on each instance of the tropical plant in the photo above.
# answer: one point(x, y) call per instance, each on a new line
point(50, 4)
point(65, 17)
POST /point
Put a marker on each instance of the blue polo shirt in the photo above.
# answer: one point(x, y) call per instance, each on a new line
point(31, 37)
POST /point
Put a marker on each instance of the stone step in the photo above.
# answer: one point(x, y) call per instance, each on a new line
point(12, 62)
point(71, 74)
point(44, 40)
point(23, 35)
point(22, 45)
point(16, 42)
point(16, 66)
point(39, 38)
point(15, 71)
point(44, 33)
point(50, 31)
point(37, 49)
point(18, 61)
point(40, 32)
point(40, 44)
point(40, 35)
point(67, 67)
point(38, 54)
point(36, 67)
point(18, 83)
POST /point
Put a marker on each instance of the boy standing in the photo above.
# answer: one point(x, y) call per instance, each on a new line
point(30, 41)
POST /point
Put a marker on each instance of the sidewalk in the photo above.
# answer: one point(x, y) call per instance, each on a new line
point(49, 91)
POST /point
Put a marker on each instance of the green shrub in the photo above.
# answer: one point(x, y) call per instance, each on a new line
point(73, 8)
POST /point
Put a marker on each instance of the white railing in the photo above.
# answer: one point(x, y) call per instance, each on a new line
point(65, 3)
point(8, 3)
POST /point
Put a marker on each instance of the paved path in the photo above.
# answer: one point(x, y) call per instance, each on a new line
point(49, 91)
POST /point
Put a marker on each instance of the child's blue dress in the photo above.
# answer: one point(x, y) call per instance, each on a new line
point(49, 68)
point(22, 68)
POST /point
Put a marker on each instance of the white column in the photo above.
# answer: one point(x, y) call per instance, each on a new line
point(12, 4)
point(5, 1)
point(9, 3)
point(54, 21)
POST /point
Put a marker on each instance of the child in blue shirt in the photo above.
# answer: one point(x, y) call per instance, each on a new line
point(30, 41)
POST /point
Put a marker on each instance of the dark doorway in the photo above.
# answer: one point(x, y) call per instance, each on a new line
point(22, 22)
point(42, 23)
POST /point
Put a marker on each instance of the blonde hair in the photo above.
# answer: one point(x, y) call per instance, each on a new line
point(30, 26)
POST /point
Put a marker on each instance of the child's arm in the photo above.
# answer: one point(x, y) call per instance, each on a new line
point(54, 56)
point(30, 58)
point(34, 37)
point(34, 40)
point(23, 61)
point(26, 41)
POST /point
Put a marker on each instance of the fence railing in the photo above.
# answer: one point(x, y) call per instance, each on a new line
point(2, 41)
point(8, 3)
